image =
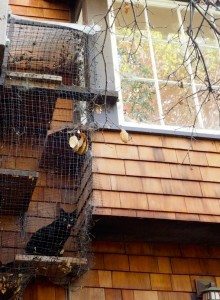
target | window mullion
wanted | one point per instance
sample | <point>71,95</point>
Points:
<point>153,61</point>
<point>215,37</point>
<point>189,68</point>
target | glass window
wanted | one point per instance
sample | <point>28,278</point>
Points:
<point>140,104</point>
<point>166,43</point>
<point>163,77</point>
<point>178,105</point>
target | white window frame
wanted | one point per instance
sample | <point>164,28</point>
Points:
<point>3,28</point>
<point>3,21</point>
<point>143,127</point>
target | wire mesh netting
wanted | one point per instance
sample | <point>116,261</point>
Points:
<point>45,166</point>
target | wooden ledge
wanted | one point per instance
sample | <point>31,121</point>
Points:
<point>31,175</point>
<point>54,91</point>
<point>34,76</point>
<point>33,80</point>
<point>69,261</point>
<point>50,266</point>
<point>17,187</point>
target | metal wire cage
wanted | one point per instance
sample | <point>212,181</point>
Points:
<point>45,99</point>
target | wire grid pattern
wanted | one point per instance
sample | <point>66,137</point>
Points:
<point>44,100</point>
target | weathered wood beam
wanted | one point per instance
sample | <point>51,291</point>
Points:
<point>19,173</point>
<point>33,80</point>
<point>35,76</point>
<point>51,259</point>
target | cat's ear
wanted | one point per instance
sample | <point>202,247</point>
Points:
<point>62,212</point>
<point>74,213</point>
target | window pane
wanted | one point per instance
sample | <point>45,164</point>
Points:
<point>134,57</point>
<point>164,21</point>
<point>210,108</point>
<point>209,60</point>
<point>178,105</point>
<point>128,16</point>
<point>169,61</point>
<point>166,43</point>
<point>200,28</point>
<point>140,103</point>
<point>132,42</point>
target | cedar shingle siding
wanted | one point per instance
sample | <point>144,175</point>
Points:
<point>156,176</point>
<point>41,9</point>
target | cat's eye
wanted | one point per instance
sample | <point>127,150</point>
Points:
<point>64,219</point>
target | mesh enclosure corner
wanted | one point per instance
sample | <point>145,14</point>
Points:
<point>45,181</point>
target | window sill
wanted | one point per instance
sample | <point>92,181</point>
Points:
<point>112,119</point>
<point>172,130</point>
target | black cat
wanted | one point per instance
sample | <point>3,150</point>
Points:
<point>49,240</point>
